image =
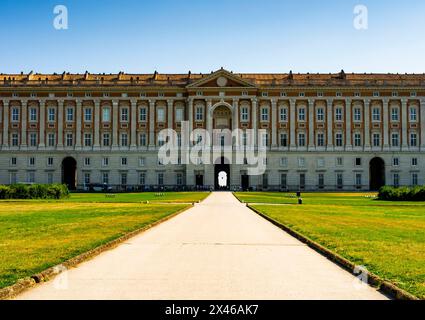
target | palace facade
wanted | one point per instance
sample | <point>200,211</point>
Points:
<point>323,131</point>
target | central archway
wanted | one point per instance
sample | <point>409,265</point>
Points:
<point>221,169</point>
<point>376,173</point>
<point>69,172</point>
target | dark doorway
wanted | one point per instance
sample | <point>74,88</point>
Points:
<point>199,180</point>
<point>221,169</point>
<point>376,173</point>
<point>69,172</point>
<point>245,182</point>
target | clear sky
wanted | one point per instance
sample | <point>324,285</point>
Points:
<point>171,36</point>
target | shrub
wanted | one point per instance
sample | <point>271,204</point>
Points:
<point>35,191</point>
<point>402,194</point>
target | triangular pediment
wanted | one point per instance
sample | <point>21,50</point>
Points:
<point>221,79</point>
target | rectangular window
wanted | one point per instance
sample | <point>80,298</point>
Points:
<point>51,115</point>
<point>358,180</point>
<point>320,113</point>
<point>179,115</point>
<point>395,140</point>
<point>69,140</point>
<point>124,139</point>
<point>87,161</point>
<point>284,162</point>
<point>376,139</point>
<point>357,115</point>
<point>33,139</point>
<point>15,115</point>
<point>15,139</point>
<point>123,161</point>
<point>283,114</point>
<point>87,115</point>
<point>86,178</point>
<point>51,139</point>
<point>31,161</point>
<point>142,115</point>
<point>265,114</point>
<point>106,114</point>
<point>320,140</point>
<point>105,162</point>
<point>160,179</point>
<point>302,181</point>
<point>49,161</point>
<point>142,179</point>
<point>358,161</point>
<point>301,140</point>
<point>413,140</point>
<point>33,114</point>
<point>142,139</point>
<point>414,162</point>
<point>69,114</point>
<point>338,114</point>
<point>321,180</point>
<point>105,178</point>
<point>320,162</point>
<point>283,181</point>
<point>244,114</point>
<point>339,181</point>
<point>160,115</point>
<point>106,139</point>
<point>301,162</point>
<point>283,140</point>
<point>413,115</point>
<point>396,180</point>
<point>179,179</point>
<point>301,114</point>
<point>394,114</point>
<point>357,140</point>
<point>339,161</point>
<point>396,162</point>
<point>338,139</point>
<point>124,115</point>
<point>87,139</point>
<point>31,177</point>
<point>49,177</point>
<point>13,161</point>
<point>142,162</point>
<point>199,115</point>
<point>414,179</point>
<point>123,179</point>
<point>265,139</point>
<point>376,114</point>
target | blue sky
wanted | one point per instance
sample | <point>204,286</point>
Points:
<point>203,35</point>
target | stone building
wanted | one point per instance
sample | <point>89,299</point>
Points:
<point>323,131</point>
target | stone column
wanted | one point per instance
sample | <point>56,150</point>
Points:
<point>292,114</point>
<point>311,125</point>
<point>209,118</point>
<point>190,117</point>
<point>115,119</point>
<point>366,124</point>
<point>42,125</point>
<point>170,105</point>
<point>235,122</point>
<point>60,124</point>
<point>5,123</point>
<point>78,123</point>
<point>133,124</point>
<point>348,144</point>
<point>385,105</point>
<point>24,115</point>
<point>274,123</point>
<point>96,144</point>
<point>404,143</point>
<point>151,123</point>
<point>422,108</point>
<point>329,123</point>
<point>254,102</point>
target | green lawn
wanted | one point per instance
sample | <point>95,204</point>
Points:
<point>35,235</point>
<point>386,237</point>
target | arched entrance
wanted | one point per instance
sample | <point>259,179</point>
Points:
<point>376,173</point>
<point>69,172</point>
<point>222,174</point>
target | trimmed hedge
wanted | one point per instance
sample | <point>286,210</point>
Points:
<point>34,191</point>
<point>402,193</point>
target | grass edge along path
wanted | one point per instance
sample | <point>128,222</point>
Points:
<point>26,283</point>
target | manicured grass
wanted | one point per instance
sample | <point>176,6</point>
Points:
<point>35,235</point>
<point>152,197</point>
<point>386,237</point>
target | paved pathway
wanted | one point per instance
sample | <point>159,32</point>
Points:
<point>217,250</point>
